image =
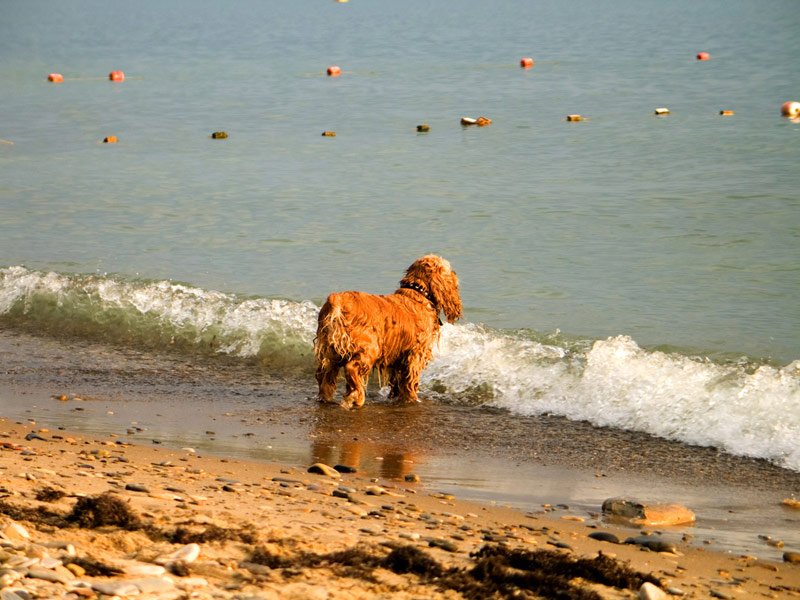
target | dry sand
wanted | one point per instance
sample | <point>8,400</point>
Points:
<point>177,525</point>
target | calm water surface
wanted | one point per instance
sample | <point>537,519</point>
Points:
<point>679,231</point>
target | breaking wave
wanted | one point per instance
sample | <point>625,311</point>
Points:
<point>743,407</point>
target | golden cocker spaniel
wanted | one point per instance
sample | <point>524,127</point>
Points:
<point>358,331</point>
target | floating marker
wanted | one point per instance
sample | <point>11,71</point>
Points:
<point>334,71</point>
<point>112,139</point>
<point>423,128</point>
<point>790,109</point>
<point>662,111</point>
<point>328,134</point>
<point>703,56</point>
<point>219,135</point>
<point>55,78</point>
<point>526,63</point>
<point>480,121</point>
<point>116,76</point>
<point>574,118</point>
<point>726,113</point>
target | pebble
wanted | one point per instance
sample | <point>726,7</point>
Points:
<point>135,487</point>
<point>648,591</point>
<point>791,557</point>
<point>652,542</point>
<point>16,532</point>
<point>720,595</point>
<point>116,588</point>
<point>323,469</point>
<point>144,570</point>
<point>188,553</point>
<point>604,536</point>
<point>344,469</point>
<point>444,545</point>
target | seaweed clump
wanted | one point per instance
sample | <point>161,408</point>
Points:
<point>107,509</point>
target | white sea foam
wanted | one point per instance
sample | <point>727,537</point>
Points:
<point>743,408</point>
<point>748,411</point>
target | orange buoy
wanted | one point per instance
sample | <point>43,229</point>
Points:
<point>423,128</point>
<point>328,134</point>
<point>790,109</point>
<point>483,122</point>
<point>703,56</point>
<point>55,77</point>
<point>726,113</point>
<point>116,76</point>
<point>112,139</point>
<point>661,111</point>
<point>574,118</point>
<point>526,63</point>
<point>334,71</point>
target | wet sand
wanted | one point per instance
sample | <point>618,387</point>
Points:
<point>226,408</point>
<point>86,516</point>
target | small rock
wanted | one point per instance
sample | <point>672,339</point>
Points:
<point>673,591</point>
<point>188,553</point>
<point>648,591</point>
<point>652,542</point>
<point>16,532</point>
<point>323,469</point>
<point>47,575</point>
<point>604,536</point>
<point>116,588</point>
<point>791,557</point>
<point>135,487</point>
<point>720,595</point>
<point>153,585</point>
<point>345,469</point>
<point>412,478</point>
<point>143,570</point>
<point>641,513</point>
<point>444,545</point>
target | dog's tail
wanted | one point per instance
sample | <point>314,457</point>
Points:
<point>333,340</point>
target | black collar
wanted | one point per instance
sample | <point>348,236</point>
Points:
<point>418,288</point>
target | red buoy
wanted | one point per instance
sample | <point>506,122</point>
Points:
<point>790,109</point>
<point>55,77</point>
<point>334,71</point>
<point>116,76</point>
<point>526,63</point>
<point>703,56</point>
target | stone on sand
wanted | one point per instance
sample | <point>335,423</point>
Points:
<point>648,513</point>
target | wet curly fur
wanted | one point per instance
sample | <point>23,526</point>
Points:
<point>393,333</point>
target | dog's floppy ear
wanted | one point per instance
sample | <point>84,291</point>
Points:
<point>441,283</point>
<point>444,288</point>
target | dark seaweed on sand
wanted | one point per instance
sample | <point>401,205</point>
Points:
<point>212,533</point>
<point>49,494</point>
<point>103,510</point>
<point>499,572</point>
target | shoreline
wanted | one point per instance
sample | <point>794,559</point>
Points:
<point>242,411</point>
<point>292,516</point>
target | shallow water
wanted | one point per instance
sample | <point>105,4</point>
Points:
<point>225,408</point>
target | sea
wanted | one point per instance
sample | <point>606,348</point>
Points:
<point>629,274</point>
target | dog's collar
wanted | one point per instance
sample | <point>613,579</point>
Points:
<point>419,289</point>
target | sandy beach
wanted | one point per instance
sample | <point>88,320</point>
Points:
<point>84,516</point>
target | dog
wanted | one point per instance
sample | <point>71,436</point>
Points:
<point>394,333</point>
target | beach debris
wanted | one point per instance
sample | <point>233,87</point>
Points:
<point>703,56</point>
<point>480,121</point>
<point>791,557</point>
<point>661,111</point>
<point>648,591</point>
<point>328,134</point>
<point>423,128</point>
<point>116,76</point>
<point>323,469</point>
<point>111,139</point>
<point>55,78</point>
<point>645,513</point>
<point>334,71</point>
<point>526,63</point>
<point>219,135</point>
<point>790,109</point>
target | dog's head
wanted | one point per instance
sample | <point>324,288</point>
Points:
<point>440,283</point>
